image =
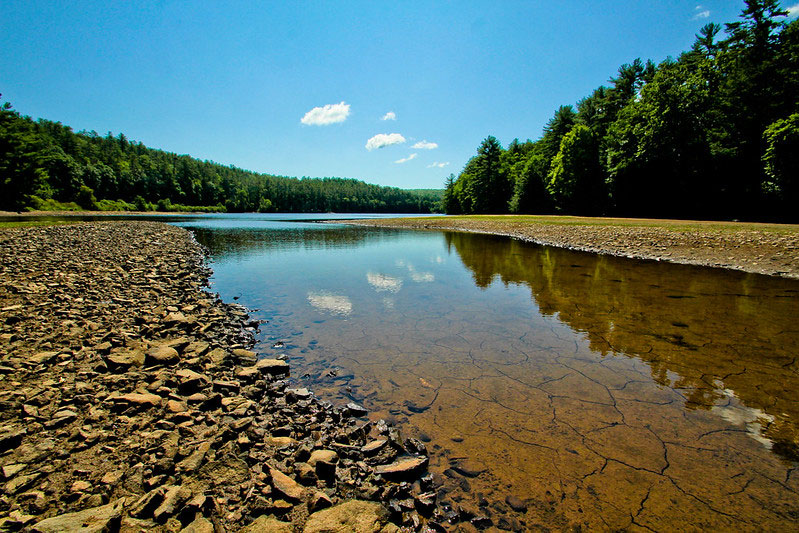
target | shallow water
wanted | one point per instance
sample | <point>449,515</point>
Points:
<point>608,393</point>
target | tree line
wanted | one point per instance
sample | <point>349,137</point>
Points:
<point>711,134</point>
<point>45,165</point>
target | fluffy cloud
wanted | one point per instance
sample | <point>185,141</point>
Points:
<point>384,139</point>
<point>329,114</point>
<point>793,11</point>
<point>701,12</point>
<point>436,164</point>
<point>389,116</point>
<point>424,145</point>
<point>405,159</point>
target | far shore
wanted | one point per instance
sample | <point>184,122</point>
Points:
<point>760,248</point>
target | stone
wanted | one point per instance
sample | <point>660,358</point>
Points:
<point>144,506</point>
<point>199,525</point>
<point>226,385</point>
<point>94,520</point>
<point>42,358</point>
<point>248,374</point>
<point>137,399</point>
<point>403,467</point>
<point>301,393</point>
<point>194,461</point>
<point>162,355</point>
<point>13,469</point>
<point>374,446</point>
<point>111,477</point>
<point>10,437</point>
<point>467,469</point>
<point>356,410</point>
<point>318,501</point>
<point>175,318</point>
<point>305,473</point>
<point>264,524</point>
<point>285,485</point>
<point>174,406</point>
<point>245,356</point>
<point>174,497</point>
<point>125,358</point>
<point>217,356</point>
<point>279,442</point>
<point>80,486</point>
<point>516,503</point>
<point>326,456</point>
<point>21,483</point>
<point>273,367</point>
<point>356,516</point>
<point>190,381</point>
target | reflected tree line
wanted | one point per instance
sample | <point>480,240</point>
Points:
<point>699,330</point>
<point>240,241</point>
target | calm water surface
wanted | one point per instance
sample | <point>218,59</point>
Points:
<point>609,393</point>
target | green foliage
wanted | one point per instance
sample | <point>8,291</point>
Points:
<point>49,161</point>
<point>682,139</point>
<point>575,180</point>
<point>781,161</point>
<point>85,198</point>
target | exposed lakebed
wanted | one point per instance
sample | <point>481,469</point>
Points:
<point>557,387</point>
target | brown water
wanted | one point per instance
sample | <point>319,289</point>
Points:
<point>606,393</point>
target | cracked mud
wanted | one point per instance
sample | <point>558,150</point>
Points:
<point>558,388</point>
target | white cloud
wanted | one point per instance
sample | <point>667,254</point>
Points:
<point>793,11</point>
<point>436,164</point>
<point>424,145</point>
<point>332,303</point>
<point>389,116</point>
<point>384,139</point>
<point>701,12</point>
<point>383,283</point>
<point>406,159</point>
<point>329,114</point>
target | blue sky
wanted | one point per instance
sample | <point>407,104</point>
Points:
<point>238,82</point>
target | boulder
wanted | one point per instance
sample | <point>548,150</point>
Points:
<point>273,367</point>
<point>97,519</point>
<point>354,516</point>
<point>263,524</point>
<point>403,467</point>
<point>162,355</point>
<point>285,485</point>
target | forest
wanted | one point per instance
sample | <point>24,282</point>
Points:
<point>713,134</point>
<point>44,165</point>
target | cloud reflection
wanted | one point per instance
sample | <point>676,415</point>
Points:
<point>332,303</point>
<point>383,283</point>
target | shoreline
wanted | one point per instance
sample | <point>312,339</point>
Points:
<point>130,400</point>
<point>768,249</point>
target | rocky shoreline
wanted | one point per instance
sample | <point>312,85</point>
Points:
<point>768,249</point>
<point>130,401</point>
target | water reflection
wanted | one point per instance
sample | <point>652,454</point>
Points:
<point>605,393</point>
<point>721,338</point>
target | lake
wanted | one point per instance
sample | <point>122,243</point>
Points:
<point>593,391</point>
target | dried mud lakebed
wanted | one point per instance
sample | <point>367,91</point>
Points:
<point>129,400</point>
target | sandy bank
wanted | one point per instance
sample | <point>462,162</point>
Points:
<point>770,249</point>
